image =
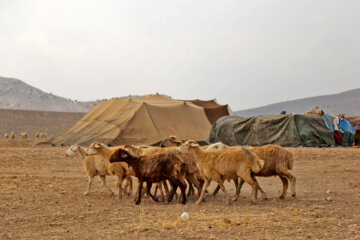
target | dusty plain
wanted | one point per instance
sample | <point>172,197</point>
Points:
<point>41,197</point>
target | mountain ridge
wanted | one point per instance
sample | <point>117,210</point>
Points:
<point>17,94</point>
<point>343,102</point>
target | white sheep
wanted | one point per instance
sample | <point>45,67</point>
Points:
<point>220,165</point>
<point>95,166</point>
<point>121,170</point>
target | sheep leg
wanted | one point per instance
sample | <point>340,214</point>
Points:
<point>263,194</point>
<point>206,184</point>
<point>182,185</point>
<point>161,191</point>
<point>236,181</point>
<point>139,190</point>
<point>238,189</point>
<point>104,183</point>
<point>119,183</point>
<point>254,185</point>
<point>191,190</point>
<point>172,192</point>
<point>216,190</point>
<point>148,188</point>
<point>128,186</point>
<point>292,178</point>
<point>285,183</point>
<point>156,188</point>
<point>221,184</point>
<point>90,180</point>
<point>167,189</point>
<point>193,179</point>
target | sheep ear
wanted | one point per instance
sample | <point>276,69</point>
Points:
<point>131,150</point>
<point>97,146</point>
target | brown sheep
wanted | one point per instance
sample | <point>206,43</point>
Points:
<point>6,135</point>
<point>37,135</point>
<point>121,170</point>
<point>277,162</point>
<point>154,168</point>
<point>220,165</point>
<point>24,135</point>
<point>192,173</point>
<point>12,135</point>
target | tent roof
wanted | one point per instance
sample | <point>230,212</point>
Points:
<point>290,130</point>
<point>144,120</point>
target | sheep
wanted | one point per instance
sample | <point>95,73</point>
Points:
<point>277,162</point>
<point>170,142</point>
<point>12,135</point>
<point>43,135</point>
<point>155,167</point>
<point>121,170</point>
<point>221,146</point>
<point>94,166</point>
<point>6,136</point>
<point>173,142</point>
<point>192,173</point>
<point>37,135</point>
<point>220,165</point>
<point>23,135</point>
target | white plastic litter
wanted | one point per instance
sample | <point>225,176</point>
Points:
<point>185,216</point>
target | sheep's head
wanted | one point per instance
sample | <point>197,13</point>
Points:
<point>216,146</point>
<point>170,142</point>
<point>188,146</point>
<point>72,150</point>
<point>257,164</point>
<point>94,148</point>
<point>122,155</point>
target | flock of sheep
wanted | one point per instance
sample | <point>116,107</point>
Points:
<point>24,135</point>
<point>185,165</point>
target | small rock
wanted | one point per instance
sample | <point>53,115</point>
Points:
<point>13,177</point>
<point>329,199</point>
<point>328,191</point>
<point>63,192</point>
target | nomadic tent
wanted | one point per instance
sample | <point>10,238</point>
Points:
<point>146,120</point>
<point>213,110</point>
<point>291,130</point>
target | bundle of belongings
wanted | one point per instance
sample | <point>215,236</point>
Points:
<point>343,130</point>
<point>355,121</point>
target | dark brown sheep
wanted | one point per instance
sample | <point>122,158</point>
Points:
<point>152,168</point>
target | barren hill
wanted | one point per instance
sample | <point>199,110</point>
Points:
<point>16,94</point>
<point>345,102</point>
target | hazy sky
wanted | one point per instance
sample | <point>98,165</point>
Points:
<point>244,53</point>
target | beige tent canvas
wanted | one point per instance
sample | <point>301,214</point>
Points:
<point>146,120</point>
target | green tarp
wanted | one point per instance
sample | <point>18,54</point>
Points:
<point>292,130</point>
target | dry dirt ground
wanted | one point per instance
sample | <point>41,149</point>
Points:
<point>41,197</point>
